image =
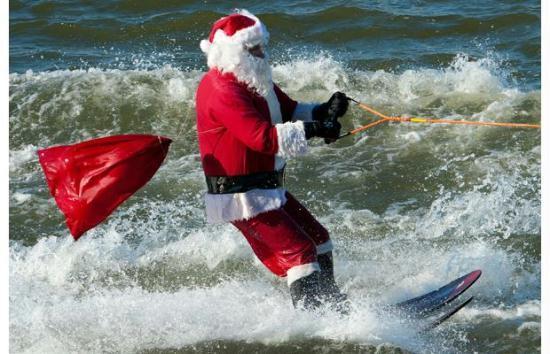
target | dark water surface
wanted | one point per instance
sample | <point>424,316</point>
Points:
<point>409,207</point>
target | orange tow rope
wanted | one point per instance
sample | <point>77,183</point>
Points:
<point>385,118</point>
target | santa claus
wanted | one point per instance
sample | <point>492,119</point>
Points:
<point>247,126</point>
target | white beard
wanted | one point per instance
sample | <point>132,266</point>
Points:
<point>253,71</point>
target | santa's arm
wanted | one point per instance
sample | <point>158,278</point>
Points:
<point>237,113</point>
<point>292,110</point>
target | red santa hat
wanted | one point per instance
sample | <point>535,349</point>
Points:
<point>239,28</point>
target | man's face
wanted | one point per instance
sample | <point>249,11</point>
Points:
<point>256,51</point>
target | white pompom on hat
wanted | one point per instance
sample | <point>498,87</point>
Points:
<point>239,28</point>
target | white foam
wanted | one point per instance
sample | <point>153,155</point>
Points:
<point>529,327</point>
<point>62,298</point>
<point>527,310</point>
<point>19,158</point>
<point>133,320</point>
<point>21,198</point>
<point>465,82</point>
<point>318,77</point>
<point>94,101</point>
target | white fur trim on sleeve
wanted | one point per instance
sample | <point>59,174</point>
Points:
<point>291,138</point>
<point>303,112</point>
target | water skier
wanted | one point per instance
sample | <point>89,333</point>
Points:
<point>247,126</point>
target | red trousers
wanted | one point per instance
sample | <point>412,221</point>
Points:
<point>287,240</point>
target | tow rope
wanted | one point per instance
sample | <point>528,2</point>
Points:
<point>385,118</point>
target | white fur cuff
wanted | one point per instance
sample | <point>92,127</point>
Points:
<point>300,271</point>
<point>303,112</point>
<point>291,138</point>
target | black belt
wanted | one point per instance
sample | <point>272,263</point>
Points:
<point>241,184</point>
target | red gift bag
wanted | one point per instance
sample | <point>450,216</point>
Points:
<point>90,179</point>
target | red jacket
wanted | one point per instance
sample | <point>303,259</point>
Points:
<point>240,133</point>
<point>236,133</point>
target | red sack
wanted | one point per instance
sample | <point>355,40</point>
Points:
<point>90,179</point>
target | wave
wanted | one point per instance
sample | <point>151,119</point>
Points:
<point>329,25</point>
<point>413,208</point>
<point>96,100</point>
<point>180,287</point>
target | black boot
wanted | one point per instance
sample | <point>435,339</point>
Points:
<point>328,289</point>
<point>304,292</point>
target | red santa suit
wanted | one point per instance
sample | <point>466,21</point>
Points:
<point>247,128</point>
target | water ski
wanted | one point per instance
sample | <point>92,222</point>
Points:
<point>431,309</point>
<point>426,304</point>
<point>446,315</point>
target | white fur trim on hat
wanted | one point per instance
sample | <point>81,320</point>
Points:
<point>256,34</point>
<point>291,138</point>
<point>205,45</point>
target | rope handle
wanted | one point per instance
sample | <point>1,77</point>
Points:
<point>386,118</point>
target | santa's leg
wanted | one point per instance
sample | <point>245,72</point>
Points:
<point>286,250</point>
<point>320,236</point>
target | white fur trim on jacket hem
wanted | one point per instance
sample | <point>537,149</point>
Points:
<point>291,138</point>
<point>242,206</point>
<point>325,247</point>
<point>300,271</point>
<point>304,112</point>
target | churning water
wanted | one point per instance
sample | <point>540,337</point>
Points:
<point>409,207</point>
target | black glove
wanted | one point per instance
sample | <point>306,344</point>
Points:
<point>335,107</point>
<point>328,129</point>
